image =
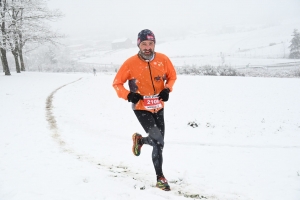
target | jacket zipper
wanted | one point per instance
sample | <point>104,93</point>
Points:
<point>151,77</point>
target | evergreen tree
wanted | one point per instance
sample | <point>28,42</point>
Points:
<point>295,45</point>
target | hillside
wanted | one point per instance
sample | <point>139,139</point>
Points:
<point>243,46</point>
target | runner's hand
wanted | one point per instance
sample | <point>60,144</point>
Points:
<point>164,94</point>
<point>134,97</point>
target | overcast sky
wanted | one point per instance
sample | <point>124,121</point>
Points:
<point>126,18</point>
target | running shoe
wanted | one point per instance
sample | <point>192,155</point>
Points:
<point>162,183</point>
<point>136,147</point>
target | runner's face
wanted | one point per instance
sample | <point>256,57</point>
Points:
<point>147,48</point>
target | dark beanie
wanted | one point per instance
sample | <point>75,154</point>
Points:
<point>145,34</point>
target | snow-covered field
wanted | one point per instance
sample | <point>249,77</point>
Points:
<point>257,47</point>
<point>68,136</point>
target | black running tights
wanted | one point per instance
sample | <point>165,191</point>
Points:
<point>154,125</point>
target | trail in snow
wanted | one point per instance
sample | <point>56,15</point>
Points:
<point>223,161</point>
<point>120,171</point>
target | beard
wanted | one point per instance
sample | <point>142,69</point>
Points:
<point>146,54</point>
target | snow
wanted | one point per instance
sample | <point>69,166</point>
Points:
<point>259,46</point>
<point>119,40</point>
<point>68,136</point>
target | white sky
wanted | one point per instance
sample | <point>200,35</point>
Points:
<point>119,18</point>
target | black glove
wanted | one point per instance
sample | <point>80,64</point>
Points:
<point>134,97</point>
<point>164,94</point>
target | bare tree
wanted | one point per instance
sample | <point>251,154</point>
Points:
<point>35,30</point>
<point>22,22</point>
<point>3,40</point>
<point>13,33</point>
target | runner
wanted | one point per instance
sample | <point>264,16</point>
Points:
<point>151,76</point>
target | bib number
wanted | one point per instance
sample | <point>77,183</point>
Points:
<point>152,102</point>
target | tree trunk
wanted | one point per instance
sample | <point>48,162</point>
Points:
<point>16,57</point>
<point>15,53</point>
<point>3,51</point>
<point>21,60</point>
<point>4,62</point>
<point>21,43</point>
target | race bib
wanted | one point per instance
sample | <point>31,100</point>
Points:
<point>152,102</point>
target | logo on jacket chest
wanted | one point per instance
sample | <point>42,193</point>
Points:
<point>160,78</point>
<point>157,78</point>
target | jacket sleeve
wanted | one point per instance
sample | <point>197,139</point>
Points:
<point>171,75</point>
<point>120,78</point>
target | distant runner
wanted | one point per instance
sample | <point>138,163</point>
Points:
<point>151,76</point>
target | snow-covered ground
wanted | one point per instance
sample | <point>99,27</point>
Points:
<point>68,136</point>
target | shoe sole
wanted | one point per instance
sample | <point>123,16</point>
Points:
<point>133,146</point>
<point>165,189</point>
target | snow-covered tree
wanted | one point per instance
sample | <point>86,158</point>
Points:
<point>32,28</point>
<point>4,19</point>
<point>23,22</point>
<point>35,29</point>
<point>295,45</point>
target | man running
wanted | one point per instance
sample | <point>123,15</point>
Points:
<point>151,76</point>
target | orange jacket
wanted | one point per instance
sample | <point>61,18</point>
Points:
<point>146,78</point>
